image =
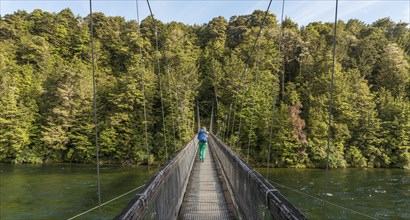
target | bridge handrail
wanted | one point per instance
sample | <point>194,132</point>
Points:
<point>252,194</point>
<point>163,194</point>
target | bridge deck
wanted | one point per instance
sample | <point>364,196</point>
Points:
<point>205,195</point>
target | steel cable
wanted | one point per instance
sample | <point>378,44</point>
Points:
<point>314,197</point>
<point>143,86</point>
<point>247,66</point>
<point>95,105</point>
<point>280,50</point>
<point>172,111</point>
<point>160,80</point>
<point>109,201</point>
<point>255,85</point>
<point>274,98</point>
<point>330,107</point>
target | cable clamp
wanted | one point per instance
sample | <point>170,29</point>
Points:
<point>251,171</point>
<point>267,193</point>
<point>143,199</point>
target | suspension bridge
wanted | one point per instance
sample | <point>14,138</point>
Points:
<point>223,186</point>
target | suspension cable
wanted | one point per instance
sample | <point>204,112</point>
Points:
<point>178,102</point>
<point>244,75</point>
<point>194,120</point>
<point>255,85</point>
<point>212,117</point>
<point>271,133</point>
<point>95,105</point>
<point>168,75</point>
<point>143,85</point>
<point>240,123</point>
<point>176,95</point>
<point>198,115</point>
<point>109,201</point>
<point>280,50</point>
<point>330,107</point>
<point>259,33</point>
<point>159,79</point>
<point>234,115</point>
<point>274,98</point>
<point>229,120</point>
<point>249,134</point>
<point>172,111</point>
<point>225,117</point>
<point>247,66</point>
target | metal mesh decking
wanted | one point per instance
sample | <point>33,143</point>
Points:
<point>205,195</point>
<point>223,187</point>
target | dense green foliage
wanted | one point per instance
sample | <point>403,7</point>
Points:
<point>46,89</point>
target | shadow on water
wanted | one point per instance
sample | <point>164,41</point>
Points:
<point>352,193</point>
<point>61,191</point>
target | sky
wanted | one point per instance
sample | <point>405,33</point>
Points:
<point>202,11</point>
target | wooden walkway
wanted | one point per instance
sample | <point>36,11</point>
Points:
<point>205,196</point>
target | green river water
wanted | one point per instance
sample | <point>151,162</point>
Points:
<point>62,191</point>
<point>351,193</point>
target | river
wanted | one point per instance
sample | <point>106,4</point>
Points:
<point>351,193</point>
<point>62,191</point>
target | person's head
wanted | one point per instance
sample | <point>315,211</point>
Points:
<point>204,127</point>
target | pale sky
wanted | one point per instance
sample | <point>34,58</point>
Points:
<point>202,11</point>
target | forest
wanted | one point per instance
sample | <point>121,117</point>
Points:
<point>270,96</point>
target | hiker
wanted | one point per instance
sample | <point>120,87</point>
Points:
<point>203,141</point>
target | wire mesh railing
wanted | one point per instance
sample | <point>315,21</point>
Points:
<point>252,195</point>
<point>163,195</point>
